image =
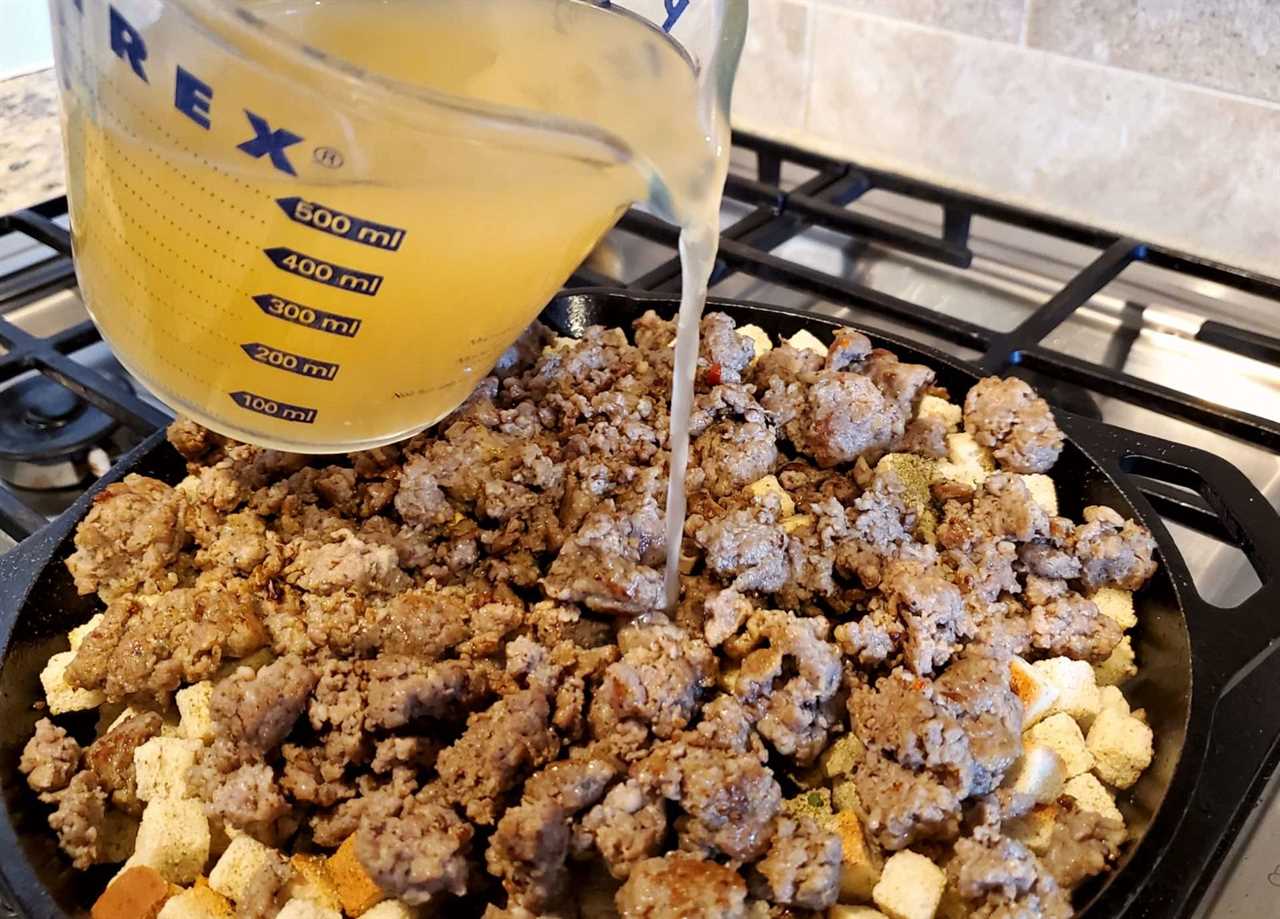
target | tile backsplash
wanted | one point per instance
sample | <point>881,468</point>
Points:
<point>1159,118</point>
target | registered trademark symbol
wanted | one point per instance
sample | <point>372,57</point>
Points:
<point>1274,877</point>
<point>328,157</point>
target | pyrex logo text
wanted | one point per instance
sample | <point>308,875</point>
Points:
<point>194,98</point>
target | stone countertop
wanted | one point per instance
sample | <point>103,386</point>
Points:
<point>31,168</point>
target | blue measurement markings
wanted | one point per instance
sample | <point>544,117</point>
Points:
<point>311,318</point>
<point>336,223</point>
<point>273,408</point>
<point>315,269</point>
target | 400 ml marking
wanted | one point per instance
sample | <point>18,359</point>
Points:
<point>311,318</point>
<point>336,223</point>
<point>287,360</point>
<point>314,269</point>
<point>273,408</point>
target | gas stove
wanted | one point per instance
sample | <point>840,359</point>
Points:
<point>1142,337</point>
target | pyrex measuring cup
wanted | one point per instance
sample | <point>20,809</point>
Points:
<point>317,225</point>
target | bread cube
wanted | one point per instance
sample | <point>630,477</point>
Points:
<point>798,522</point>
<point>311,881</point>
<point>967,462</point>
<point>843,911</point>
<point>910,887</point>
<point>241,864</point>
<point>117,837</point>
<point>1062,735</point>
<point>1035,691</point>
<point>842,756</point>
<point>137,893</point>
<point>1121,746</point>
<point>761,488</point>
<point>1075,683</point>
<point>61,696</point>
<point>844,797</point>
<point>1035,828</point>
<point>194,706</point>
<point>1039,774</point>
<point>1092,795</point>
<point>356,889</point>
<point>760,340</point>
<point>916,474</point>
<point>935,407</point>
<point>815,803</point>
<point>81,632</point>
<point>161,765</point>
<point>1043,492</point>
<point>804,340</point>
<point>1110,697</point>
<point>859,863</point>
<point>173,838</point>
<point>1116,604</point>
<point>307,909</point>
<point>1119,666</point>
<point>199,902</point>
<point>398,909</point>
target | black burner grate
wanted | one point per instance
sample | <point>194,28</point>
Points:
<point>747,247</point>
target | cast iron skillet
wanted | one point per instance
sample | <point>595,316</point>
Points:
<point>1202,669</point>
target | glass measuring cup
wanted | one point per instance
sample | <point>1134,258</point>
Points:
<point>319,230</point>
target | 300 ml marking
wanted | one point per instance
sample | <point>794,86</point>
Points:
<point>321,321</point>
<point>273,408</point>
<point>314,269</point>
<point>337,223</point>
<point>287,360</point>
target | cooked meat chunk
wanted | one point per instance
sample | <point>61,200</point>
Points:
<point>802,866</point>
<point>418,852</point>
<point>975,690</point>
<point>110,757</point>
<point>401,690</point>
<point>626,827</point>
<point>1113,552</point>
<point>682,886</point>
<point>1083,844</point>
<point>256,710</point>
<point>722,353</point>
<point>902,384</point>
<point>998,877</point>
<point>1008,417</point>
<point>904,806</point>
<point>843,416</point>
<point>1066,624</point>
<point>659,680</point>
<point>249,799</point>
<point>748,548</point>
<point>610,563</point>
<point>728,456</point>
<point>81,808</point>
<point>787,364</point>
<point>50,758</point>
<point>350,564</point>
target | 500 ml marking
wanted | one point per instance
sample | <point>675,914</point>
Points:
<point>321,321</point>
<point>287,360</point>
<point>348,226</point>
<point>314,269</point>
<point>272,408</point>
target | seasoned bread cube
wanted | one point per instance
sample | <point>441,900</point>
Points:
<point>81,632</point>
<point>356,889</point>
<point>842,756</point>
<point>804,340</point>
<point>136,893</point>
<point>1035,828</point>
<point>161,765</point>
<point>916,473</point>
<point>1039,773</point>
<point>1092,795</point>
<point>1033,689</point>
<point>173,838</point>
<point>1110,697</point>
<point>240,865</point>
<point>910,887</point>
<point>1121,746</point>
<point>760,340</point>
<point>935,407</point>
<point>761,488</point>
<point>311,881</point>
<point>859,863</point>
<point>1043,492</point>
<point>1062,735</point>
<point>1075,684</point>
<point>815,803</point>
<point>398,909</point>
<point>842,911</point>
<point>194,706</point>
<point>844,797</point>
<point>1116,604</point>
<point>798,522</point>
<point>307,909</point>
<point>199,902</point>
<point>61,696</point>
<point>1119,666</point>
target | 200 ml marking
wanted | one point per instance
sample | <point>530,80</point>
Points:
<point>273,408</point>
<point>314,269</point>
<point>287,360</point>
<point>337,223</point>
<point>320,320</point>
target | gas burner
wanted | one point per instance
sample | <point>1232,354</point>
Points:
<point>47,435</point>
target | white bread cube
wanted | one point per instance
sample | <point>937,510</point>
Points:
<point>1092,795</point>
<point>1075,683</point>
<point>81,632</point>
<point>910,887</point>
<point>1062,735</point>
<point>310,880</point>
<point>1112,698</point>
<point>859,863</point>
<point>1119,667</point>
<point>760,340</point>
<point>174,839</point>
<point>307,909</point>
<point>967,462</point>
<point>769,485</point>
<point>1039,773</point>
<point>398,909</point>
<point>842,756</point>
<point>61,696</point>
<point>194,707</point>
<point>1121,746</point>
<point>798,522</point>
<point>236,870</point>
<point>844,911</point>
<point>1035,828</point>
<point>1034,690</point>
<point>199,902</point>
<point>1116,604</point>
<point>1043,492</point>
<point>935,407</point>
<point>161,765</point>
<point>804,340</point>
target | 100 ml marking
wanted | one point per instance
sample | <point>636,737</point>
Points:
<point>314,269</point>
<point>298,314</point>
<point>337,223</point>
<point>273,408</point>
<point>287,360</point>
